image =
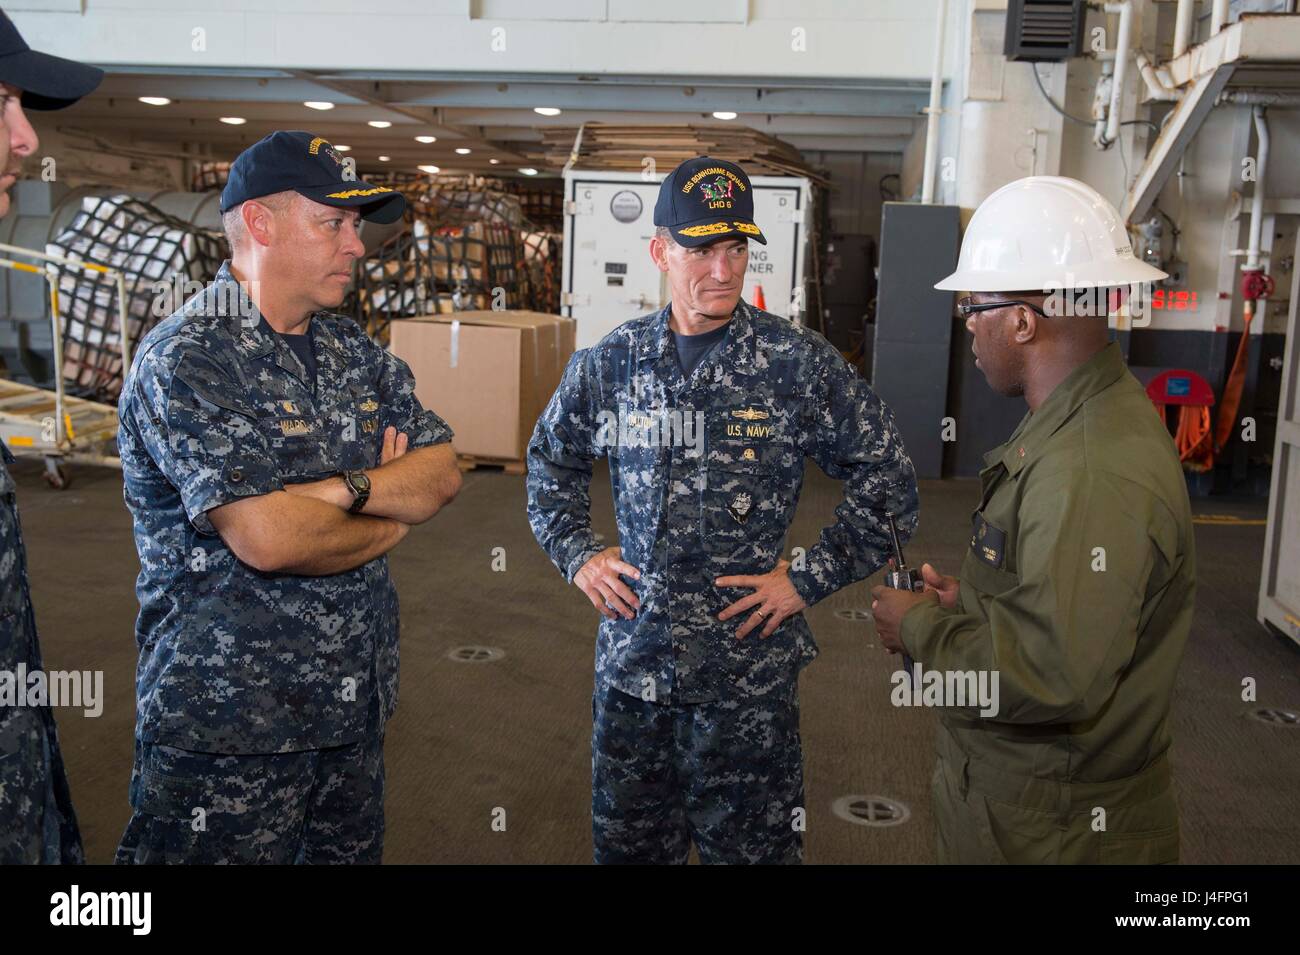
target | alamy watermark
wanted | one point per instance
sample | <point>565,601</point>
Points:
<point>966,688</point>
<point>1070,301</point>
<point>71,688</point>
<point>659,428</point>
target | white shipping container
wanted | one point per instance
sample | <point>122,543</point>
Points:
<point>608,274</point>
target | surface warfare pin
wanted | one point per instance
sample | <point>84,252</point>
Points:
<point>740,506</point>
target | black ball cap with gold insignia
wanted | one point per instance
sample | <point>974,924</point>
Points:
<point>706,199</point>
<point>310,166</point>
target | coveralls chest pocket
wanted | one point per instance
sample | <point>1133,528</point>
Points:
<point>988,569</point>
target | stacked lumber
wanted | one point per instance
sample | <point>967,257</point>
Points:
<point>617,147</point>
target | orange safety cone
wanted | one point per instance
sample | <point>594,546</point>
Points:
<point>759,300</point>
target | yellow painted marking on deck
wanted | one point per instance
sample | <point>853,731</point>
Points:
<point>1229,520</point>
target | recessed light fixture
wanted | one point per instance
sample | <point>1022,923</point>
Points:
<point>426,139</point>
<point>429,169</point>
<point>155,100</point>
<point>494,161</point>
<point>234,120</point>
<point>380,123</point>
<point>384,158</point>
<point>342,149</point>
<point>528,171</point>
<point>318,104</point>
<point>462,150</point>
<point>724,114</point>
<point>546,110</point>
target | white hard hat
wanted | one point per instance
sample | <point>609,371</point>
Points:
<point>1046,232</point>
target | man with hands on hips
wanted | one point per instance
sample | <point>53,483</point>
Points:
<point>707,411</point>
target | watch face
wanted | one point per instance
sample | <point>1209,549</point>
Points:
<point>361,480</point>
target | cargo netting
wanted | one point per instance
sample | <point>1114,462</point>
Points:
<point>165,260</point>
<point>465,247</point>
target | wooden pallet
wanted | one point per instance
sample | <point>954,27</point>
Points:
<point>611,146</point>
<point>24,407</point>
<point>470,462</point>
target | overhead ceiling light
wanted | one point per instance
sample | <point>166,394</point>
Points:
<point>494,161</point>
<point>426,139</point>
<point>342,149</point>
<point>528,171</point>
<point>155,100</point>
<point>429,169</point>
<point>380,123</point>
<point>234,120</point>
<point>384,158</point>
<point>318,104</point>
<point>462,150</point>
<point>724,114</point>
<point>546,110</point>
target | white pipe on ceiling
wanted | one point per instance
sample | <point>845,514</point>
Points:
<point>1125,11</point>
<point>1183,26</point>
<point>1257,198</point>
<point>1219,17</point>
<point>932,113</point>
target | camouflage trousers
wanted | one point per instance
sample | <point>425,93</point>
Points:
<point>323,806</point>
<point>37,822</point>
<point>726,775</point>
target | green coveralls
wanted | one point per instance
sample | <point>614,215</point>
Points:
<point>1077,590</point>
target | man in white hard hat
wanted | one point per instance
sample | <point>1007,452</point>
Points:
<point>1078,585</point>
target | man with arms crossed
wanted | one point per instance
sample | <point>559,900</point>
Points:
<point>273,455</point>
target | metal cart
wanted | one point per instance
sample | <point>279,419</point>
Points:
<point>59,428</point>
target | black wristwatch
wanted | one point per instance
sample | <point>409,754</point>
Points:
<point>358,483</point>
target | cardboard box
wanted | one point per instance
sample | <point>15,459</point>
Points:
<point>488,374</point>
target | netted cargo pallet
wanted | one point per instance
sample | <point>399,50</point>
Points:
<point>209,175</point>
<point>452,205</point>
<point>480,256</point>
<point>541,271</point>
<point>404,278</point>
<point>164,259</point>
<point>468,246</point>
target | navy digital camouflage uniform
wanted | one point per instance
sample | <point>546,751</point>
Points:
<point>37,822</point>
<point>262,698</point>
<point>695,733</point>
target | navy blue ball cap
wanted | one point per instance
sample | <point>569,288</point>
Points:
<point>47,82</point>
<point>310,166</point>
<point>704,200</point>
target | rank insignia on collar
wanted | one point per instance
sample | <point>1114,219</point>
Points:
<point>740,507</point>
<point>370,404</point>
<point>751,414</point>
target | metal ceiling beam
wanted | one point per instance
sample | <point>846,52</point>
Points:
<point>686,98</point>
<point>854,83</point>
<point>1179,130</point>
<point>1238,53</point>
